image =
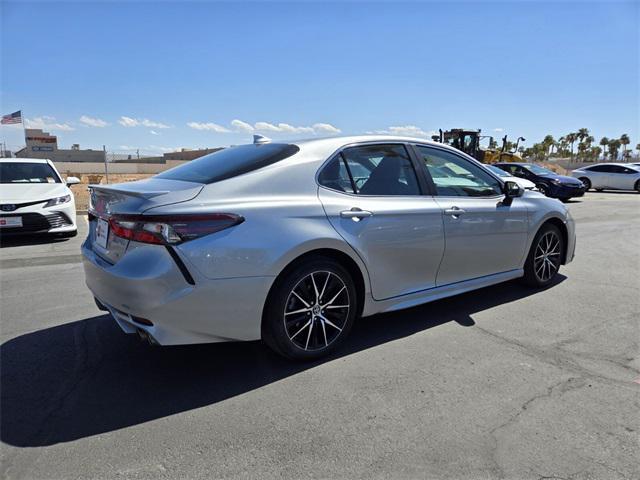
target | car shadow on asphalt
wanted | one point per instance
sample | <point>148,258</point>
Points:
<point>24,240</point>
<point>86,377</point>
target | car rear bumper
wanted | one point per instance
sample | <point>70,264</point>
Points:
<point>147,284</point>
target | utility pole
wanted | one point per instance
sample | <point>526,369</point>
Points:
<point>106,170</point>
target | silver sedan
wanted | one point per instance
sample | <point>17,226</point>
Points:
<point>291,242</point>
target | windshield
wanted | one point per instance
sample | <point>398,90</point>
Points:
<point>538,170</point>
<point>230,162</point>
<point>15,172</point>
<point>498,171</point>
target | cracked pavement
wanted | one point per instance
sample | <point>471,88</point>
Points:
<point>505,382</point>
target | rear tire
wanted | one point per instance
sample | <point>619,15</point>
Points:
<point>587,183</point>
<point>311,310</point>
<point>545,256</point>
<point>637,186</point>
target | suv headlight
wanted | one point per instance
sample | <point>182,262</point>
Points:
<point>58,201</point>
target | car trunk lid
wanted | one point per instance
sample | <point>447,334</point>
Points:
<point>130,198</point>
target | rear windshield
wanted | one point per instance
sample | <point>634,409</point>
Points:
<point>230,162</point>
<point>15,172</point>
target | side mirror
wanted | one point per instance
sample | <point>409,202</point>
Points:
<point>511,190</point>
<point>73,180</point>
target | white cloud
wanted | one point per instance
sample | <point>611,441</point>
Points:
<point>150,123</point>
<point>47,123</point>
<point>405,131</point>
<point>325,128</point>
<point>93,122</point>
<point>242,126</point>
<point>145,122</point>
<point>153,132</point>
<point>128,122</point>
<point>266,127</point>
<point>498,130</point>
<point>214,127</point>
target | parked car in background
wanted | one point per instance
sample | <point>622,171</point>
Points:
<point>614,176</point>
<point>290,242</point>
<point>523,182</point>
<point>549,183</point>
<point>35,199</point>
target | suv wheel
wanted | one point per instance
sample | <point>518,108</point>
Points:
<point>311,310</point>
<point>545,255</point>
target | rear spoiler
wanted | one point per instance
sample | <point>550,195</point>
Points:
<point>125,191</point>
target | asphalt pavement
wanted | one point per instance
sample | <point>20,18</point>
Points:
<point>505,382</point>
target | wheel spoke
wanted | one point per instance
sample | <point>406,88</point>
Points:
<point>331,324</point>
<point>301,299</point>
<point>303,327</point>
<point>302,310</point>
<point>324,332</point>
<point>306,345</point>
<point>315,288</point>
<point>335,296</point>
<point>337,306</point>
<point>324,287</point>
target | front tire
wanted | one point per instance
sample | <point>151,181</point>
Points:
<point>545,256</point>
<point>311,310</point>
<point>636,187</point>
<point>542,188</point>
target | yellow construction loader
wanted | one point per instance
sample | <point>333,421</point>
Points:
<point>468,141</point>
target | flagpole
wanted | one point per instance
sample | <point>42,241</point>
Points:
<point>24,130</point>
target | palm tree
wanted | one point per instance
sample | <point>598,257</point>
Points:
<point>595,152</point>
<point>549,142</point>
<point>624,140</point>
<point>604,142</point>
<point>614,146</point>
<point>571,139</point>
<point>582,134</point>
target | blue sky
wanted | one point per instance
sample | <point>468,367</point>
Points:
<point>162,75</point>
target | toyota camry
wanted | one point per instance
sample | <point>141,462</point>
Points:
<point>291,242</point>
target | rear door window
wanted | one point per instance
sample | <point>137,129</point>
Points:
<point>377,170</point>
<point>230,162</point>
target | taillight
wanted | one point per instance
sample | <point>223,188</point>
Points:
<point>170,229</point>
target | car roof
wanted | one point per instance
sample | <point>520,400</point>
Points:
<point>339,141</point>
<point>24,160</point>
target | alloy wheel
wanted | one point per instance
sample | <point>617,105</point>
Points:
<point>546,260</point>
<point>316,310</point>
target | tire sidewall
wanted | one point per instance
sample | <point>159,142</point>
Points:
<point>273,329</point>
<point>587,183</point>
<point>530,276</point>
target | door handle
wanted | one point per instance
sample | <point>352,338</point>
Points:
<point>454,211</point>
<point>355,214</point>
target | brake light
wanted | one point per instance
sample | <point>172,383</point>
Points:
<point>170,229</point>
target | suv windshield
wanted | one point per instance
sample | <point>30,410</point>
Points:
<point>15,172</point>
<point>538,170</point>
<point>230,162</point>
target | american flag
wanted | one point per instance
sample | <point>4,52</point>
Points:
<point>15,117</point>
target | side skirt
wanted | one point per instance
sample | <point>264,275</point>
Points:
<point>436,293</point>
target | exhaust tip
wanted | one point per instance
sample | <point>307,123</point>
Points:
<point>145,337</point>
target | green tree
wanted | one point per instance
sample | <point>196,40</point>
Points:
<point>571,139</point>
<point>624,140</point>
<point>595,153</point>
<point>614,147</point>
<point>549,143</point>
<point>604,143</point>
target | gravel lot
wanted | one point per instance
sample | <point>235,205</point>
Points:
<point>504,382</point>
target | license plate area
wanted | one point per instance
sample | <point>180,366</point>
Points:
<point>102,233</point>
<point>10,222</point>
